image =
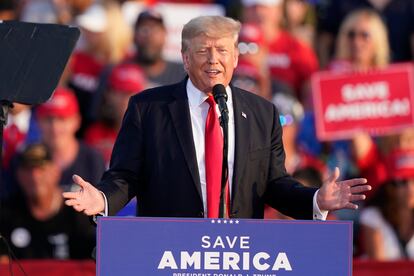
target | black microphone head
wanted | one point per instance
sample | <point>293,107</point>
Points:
<point>219,91</point>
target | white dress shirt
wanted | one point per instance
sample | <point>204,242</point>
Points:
<point>20,120</point>
<point>198,113</point>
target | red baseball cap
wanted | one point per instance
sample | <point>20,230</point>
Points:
<point>401,164</point>
<point>127,78</point>
<point>63,103</point>
<point>251,33</point>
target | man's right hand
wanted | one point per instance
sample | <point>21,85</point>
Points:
<point>88,199</point>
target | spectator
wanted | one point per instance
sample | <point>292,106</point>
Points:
<point>124,81</point>
<point>362,42</point>
<point>362,46</point>
<point>21,129</point>
<point>59,119</point>
<point>388,220</point>
<point>106,39</point>
<point>397,14</point>
<point>149,39</point>
<point>289,59</point>
<point>300,20</point>
<point>370,153</point>
<point>40,226</point>
<point>252,72</point>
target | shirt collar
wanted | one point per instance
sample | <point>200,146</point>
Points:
<point>196,97</point>
<point>21,120</point>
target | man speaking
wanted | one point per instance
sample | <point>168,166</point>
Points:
<point>169,150</point>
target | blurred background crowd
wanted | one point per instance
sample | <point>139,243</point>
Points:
<point>122,52</point>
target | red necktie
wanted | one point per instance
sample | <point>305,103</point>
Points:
<point>213,159</point>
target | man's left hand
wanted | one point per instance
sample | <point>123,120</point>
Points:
<point>334,195</point>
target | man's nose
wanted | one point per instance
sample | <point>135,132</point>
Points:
<point>212,57</point>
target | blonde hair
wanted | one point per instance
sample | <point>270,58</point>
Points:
<point>116,40</point>
<point>211,26</point>
<point>378,32</point>
<point>118,36</point>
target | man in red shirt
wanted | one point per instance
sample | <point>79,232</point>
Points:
<point>289,59</point>
<point>124,81</point>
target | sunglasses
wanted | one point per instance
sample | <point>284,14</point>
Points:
<point>352,34</point>
<point>248,48</point>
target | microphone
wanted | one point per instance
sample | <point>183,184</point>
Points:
<point>220,97</point>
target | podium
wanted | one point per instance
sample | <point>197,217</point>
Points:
<point>218,247</point>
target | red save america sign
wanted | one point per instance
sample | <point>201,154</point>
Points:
<point>379,102</point>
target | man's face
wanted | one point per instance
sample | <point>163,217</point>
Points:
<point>263,15</point>
<point>149,40</point>
<point>361,42</point>
<point>210,61</point>
<point>117,103</point>
<point>38,181</point>
<point>57,131</point>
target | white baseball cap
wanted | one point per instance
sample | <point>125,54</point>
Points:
<point>94,19</point>
<point>249,3</point>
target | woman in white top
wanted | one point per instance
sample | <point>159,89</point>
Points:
<point>388,222</point>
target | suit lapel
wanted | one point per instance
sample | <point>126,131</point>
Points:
<point>180,114</point>
<point>242,136</point>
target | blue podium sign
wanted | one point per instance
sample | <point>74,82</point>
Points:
<point>237,247</point>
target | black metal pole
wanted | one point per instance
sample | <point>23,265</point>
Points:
<point>4,112</point>
<point>224,172</point>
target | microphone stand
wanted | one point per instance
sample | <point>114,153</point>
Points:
<point>4,112</point>
<point>224,119</point>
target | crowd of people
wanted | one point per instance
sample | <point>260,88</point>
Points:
<point>281,44</point>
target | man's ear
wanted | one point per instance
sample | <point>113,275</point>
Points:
<point>236,56</point>
<point>186,60</point>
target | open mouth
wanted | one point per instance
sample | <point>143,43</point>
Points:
<point>213,72</point>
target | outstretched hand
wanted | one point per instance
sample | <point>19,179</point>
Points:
<point>335,195</point>
<point>88,199</point>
